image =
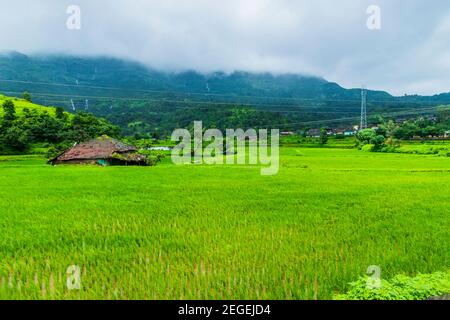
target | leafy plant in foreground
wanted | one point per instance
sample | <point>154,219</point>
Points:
<point>401,287</point>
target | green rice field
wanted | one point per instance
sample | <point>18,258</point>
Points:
<point>221,232</point>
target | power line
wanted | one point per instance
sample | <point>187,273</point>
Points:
<point>413,111</point>
<point>303,109</point>
<point>45,95</point>
<point>389,114</point>
<point>400,113</point>
<point>205,94</point>
<point>279,111</point>
<point>300,110</point>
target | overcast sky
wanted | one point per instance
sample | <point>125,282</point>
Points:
<point>328,38</point>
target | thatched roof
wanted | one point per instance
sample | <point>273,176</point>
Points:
<point>102,147</point>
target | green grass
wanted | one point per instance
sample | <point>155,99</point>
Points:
<point>333,142</point>
<point>21,104</point>
<point>222,232</point>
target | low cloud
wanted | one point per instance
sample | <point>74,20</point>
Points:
<point>410,54</point>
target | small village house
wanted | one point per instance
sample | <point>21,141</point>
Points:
<point>329,131</point>
<point>349,133</point>
<point>315,133</point>
<point>102,151</point>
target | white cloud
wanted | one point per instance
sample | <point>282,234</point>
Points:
<point>410,54</point>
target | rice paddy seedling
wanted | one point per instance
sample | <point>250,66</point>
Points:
<point>221,232</point>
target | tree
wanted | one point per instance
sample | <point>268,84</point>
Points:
<point>429,131</point>
<point>378,142</point>
<point>15,139</point>
<point>305,132</point>
<point>369,136</point>
<point>10,111</point>
<point>323,138</point>
<point>86,125</point>
<point>407,130</point>
<point>47,128</point>
<point>60,114</point>
<point>443,114</point>
<point>9,116</point>
<point>366,135</point>
<point>27,96</point>
<point>390,128</point>
<point>18,131</point>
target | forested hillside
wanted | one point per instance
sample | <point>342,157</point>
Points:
<point>24,125</point>
<point>142,100</point>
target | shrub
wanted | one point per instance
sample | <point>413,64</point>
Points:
<point>444,153</point>
<point>370,137</point>
<point>153,157</point>
<point>401,287</point>
<point>368,148</point>
<point>389,149</point>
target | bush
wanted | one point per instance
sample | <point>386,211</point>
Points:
<point>390,149</point>
<point>370,137</point>
<point>365,136</point>
<point>444,153</point>
<point>401,287</point>
<point>153,157</point>
<point>368,148</point>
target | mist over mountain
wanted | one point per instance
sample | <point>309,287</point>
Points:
<point>105,71</point>
<point>129,93</point>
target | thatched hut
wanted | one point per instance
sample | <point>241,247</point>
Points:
<point>102,151</point>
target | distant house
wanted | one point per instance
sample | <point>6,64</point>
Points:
<point>349,133</point>
<point>314,133</point>
<point>287,133</point>
<point>102,151</point>
<point>329,131</point>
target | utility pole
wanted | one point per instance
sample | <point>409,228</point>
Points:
<point>363,108</point>
<point>73,106</point>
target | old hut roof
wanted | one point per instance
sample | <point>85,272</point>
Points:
<point>102,147</point>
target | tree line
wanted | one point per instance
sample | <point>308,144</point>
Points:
<point>18,132</point>
<point>388,133</point>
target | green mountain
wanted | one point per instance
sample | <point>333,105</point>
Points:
<point>140,99</point>
<point>109,72</point>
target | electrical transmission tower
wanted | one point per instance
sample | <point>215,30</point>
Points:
<point>363,108</point>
